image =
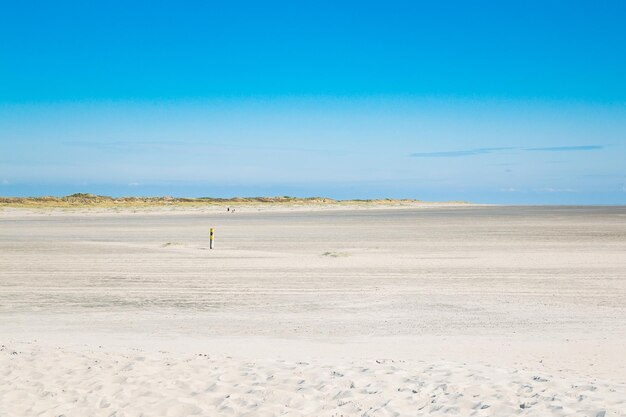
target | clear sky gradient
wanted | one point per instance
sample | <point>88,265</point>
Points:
<point>504,102</point>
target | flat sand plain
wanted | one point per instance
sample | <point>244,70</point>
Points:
<point>443,310</point>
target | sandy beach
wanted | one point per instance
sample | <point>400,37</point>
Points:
<point>394,311</point>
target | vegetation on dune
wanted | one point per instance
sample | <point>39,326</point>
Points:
<point>92,200</point>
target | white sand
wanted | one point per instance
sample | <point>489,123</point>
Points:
<point>479,310</point>
<point>100,383</point>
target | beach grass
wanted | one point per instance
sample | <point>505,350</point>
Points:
<point>85,200</point>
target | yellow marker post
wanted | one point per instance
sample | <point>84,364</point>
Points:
<point>211,239</point>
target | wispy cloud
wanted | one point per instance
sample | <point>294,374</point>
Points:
<point>121,145</point>
<point>466,152</point>
<point>567,148</point>
<point>188,145</point>
<point>483,151</point>
<point>556,190</point>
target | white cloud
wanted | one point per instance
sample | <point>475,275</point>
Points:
<point>556,190</point>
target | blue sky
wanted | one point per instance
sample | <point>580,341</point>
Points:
<point>485,101</point>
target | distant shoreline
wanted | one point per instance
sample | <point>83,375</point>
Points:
<point>83,200</point>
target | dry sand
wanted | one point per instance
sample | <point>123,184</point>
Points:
<point>411,311</point>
